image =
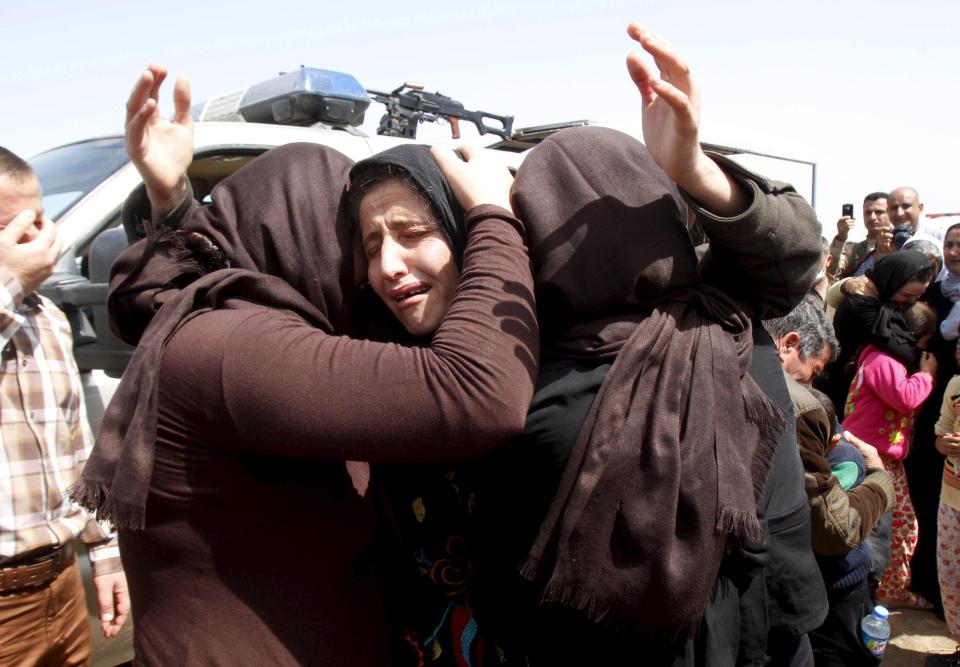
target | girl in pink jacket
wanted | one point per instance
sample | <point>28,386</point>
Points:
<point>883,398</point>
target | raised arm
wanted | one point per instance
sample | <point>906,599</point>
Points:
<point>671,126</point>
<point>161,149</point>
<point>283,387</point>
<point>889,380</point>
<point>764,238</point>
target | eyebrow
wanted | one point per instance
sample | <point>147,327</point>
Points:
<point>404,221</point>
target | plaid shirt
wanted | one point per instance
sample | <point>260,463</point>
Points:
<point>44,436</point>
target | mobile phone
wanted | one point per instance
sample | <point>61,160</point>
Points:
<point>847,210</point>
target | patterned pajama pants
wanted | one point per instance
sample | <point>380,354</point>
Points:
<point>948,565</point>
<point>895,583</point>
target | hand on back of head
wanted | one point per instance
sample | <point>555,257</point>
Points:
<point>477,179</point>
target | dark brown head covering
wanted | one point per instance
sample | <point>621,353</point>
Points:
<point>675,450</point>
<point>280,224</point>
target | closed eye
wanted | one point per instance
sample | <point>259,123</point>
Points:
<point>417,232</point>
<point>372,248</point>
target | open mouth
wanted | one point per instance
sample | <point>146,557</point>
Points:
<point>407,295</point>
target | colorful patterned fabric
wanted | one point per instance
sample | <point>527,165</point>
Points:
<point>882,401</point>
<point>44,437</point>
<point>895,582</point>
<point>431,506</point>
<point>948,565</point>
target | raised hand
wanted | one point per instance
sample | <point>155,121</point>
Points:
<point>671,125</point>
<point>884,242</point>
<point>928,363</point>
<point>844,225</point>
<point>160,149</point>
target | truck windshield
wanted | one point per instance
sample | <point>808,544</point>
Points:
<point>68,173</point>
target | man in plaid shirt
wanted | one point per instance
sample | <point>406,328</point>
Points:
<point>44,441</point>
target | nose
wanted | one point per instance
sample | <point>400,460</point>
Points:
<point>33,230</point>
<point>393,262</point>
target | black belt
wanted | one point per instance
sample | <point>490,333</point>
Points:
<point>37,572</point>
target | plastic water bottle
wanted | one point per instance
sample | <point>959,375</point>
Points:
<point>875,630</point>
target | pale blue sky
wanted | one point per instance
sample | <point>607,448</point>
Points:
<point>867,89</point>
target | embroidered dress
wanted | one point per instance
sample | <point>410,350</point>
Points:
<point>432,615</point>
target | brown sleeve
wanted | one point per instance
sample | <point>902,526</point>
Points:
<point>840,520</point>
<point>148,272</point>
<point>289,389</point>
<point>766,257</point>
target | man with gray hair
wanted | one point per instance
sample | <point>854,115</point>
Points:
<point>841,518</point>
<point>804,339</point>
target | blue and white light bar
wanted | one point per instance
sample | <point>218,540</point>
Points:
<point>306,96</point>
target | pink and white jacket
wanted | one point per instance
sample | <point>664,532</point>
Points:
<point>882,401</point>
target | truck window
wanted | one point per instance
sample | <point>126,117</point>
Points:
<point>68,173</point>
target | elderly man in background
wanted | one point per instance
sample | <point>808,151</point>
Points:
<point>805,340</point>
<point>842,518</point>
<point>905,209</point>
<point>44,440</point>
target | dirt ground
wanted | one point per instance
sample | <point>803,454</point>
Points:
<point>913,636</point>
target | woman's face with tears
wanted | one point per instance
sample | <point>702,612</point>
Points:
<point>409,263</point>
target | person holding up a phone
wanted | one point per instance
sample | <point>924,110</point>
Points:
<point>846,257</point>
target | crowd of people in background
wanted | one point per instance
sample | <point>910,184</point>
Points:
<point>874,348</point>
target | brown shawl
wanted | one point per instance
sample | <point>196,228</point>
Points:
<point>279,222</point>
<point>675,450</point>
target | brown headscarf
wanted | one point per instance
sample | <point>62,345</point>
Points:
<point>279,222</point>
<point>673,455</point>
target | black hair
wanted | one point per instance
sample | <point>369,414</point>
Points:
<point>827,406</point>
<point>921,319</point>
<point>14,166</point>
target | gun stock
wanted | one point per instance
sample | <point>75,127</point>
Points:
<point>408,106</point>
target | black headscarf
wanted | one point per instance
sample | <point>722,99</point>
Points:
<point>279,222</point>
<point>866,320</point>
<point>414,162</point>
<point>674,453</point>
<point>414,165</point>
